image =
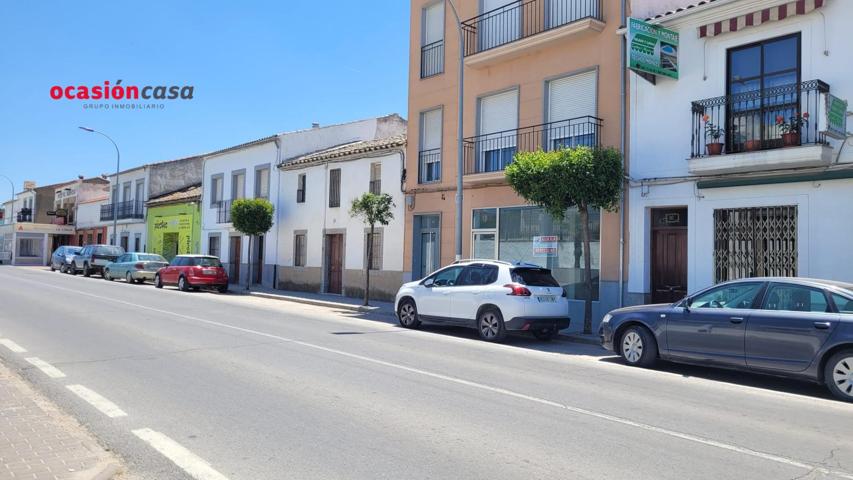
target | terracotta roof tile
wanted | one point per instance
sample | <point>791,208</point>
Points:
<point>186,194</point>
<point>347,149</point>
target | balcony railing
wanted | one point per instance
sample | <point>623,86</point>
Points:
<point>25,216</point>
<point>432,59</point>
<point>223,211</point>
<point>429,166</point>
<point>752,120</point>
<point>494,151</point>
<point>522,19</point>
<point>124,210</point>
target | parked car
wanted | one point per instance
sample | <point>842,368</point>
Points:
<point>93,259</point>
<point>62,257</point>
<point>494,297</point>
<point>135,267</point>
<point>792,327</point>
<point>193,272</point>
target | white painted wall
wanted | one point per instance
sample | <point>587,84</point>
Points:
<point>89,214</point>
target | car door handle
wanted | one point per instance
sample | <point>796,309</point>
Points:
<point>736,320</point>
<point>822,325</point>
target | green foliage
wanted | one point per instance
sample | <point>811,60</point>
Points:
<point>373,209</point>
<point>252,216</point>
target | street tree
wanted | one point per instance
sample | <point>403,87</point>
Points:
<point>372,209</point>
<point>252,217</point>
<point>581,177</point>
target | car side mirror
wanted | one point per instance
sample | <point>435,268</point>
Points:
<point>687,303</point>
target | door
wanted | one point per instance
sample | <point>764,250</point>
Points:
<point>669,255</point>
<point>170,245</point>
<point>427,234</point>
<point>711,327</point>
<point>790,328</point>
<point>467,295</point>
<point>235,257</point>
<point>124,242</point>
<point>170,274</point>
<point>334,263</point>
<point>258,267</point>
<point>436,300</point>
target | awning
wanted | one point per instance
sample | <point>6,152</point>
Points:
<point>766,15</point>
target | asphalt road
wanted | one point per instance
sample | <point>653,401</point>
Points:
<point>208,386</point>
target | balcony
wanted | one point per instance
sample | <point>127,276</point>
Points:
<point>751,130</point>
<point>124,210</point>
<point>223,211</point>
<point>486,156</point>
<point>514,28</point>
<point>432,59</point>
<point>429,166</point>
<point>25,215</point>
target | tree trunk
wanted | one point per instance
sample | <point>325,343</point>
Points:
<point>587,269</point>
<point>249,265</point>
<point>367,267</point>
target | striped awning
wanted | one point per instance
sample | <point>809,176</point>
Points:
<point>772,14</point>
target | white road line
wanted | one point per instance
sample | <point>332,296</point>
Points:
<point>106,407</point>
<point>510,393</point>
<point>12,346</point>
<point>191,463</point>
<point>45,367</point>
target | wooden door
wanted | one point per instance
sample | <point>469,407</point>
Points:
<point>334,263</point>
<point>669,264</point>
<point>235,251</point>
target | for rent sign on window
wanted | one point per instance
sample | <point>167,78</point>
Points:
<point>545,246</point>
<point>652,49</point>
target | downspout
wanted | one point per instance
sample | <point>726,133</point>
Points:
<point>277,210</point>
<point>623,77</point>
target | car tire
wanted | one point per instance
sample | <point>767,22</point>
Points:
<point>51,267</point>
<point>407,314</point>
<point>158,282</point>
<point>128,278</point>
<point>86,271</point>
<point>638,347</point>
<point>73,269</point>
<point>106,275</point>
<point>62,268</point>
<point>183,285</point>
<point>222,289</point>
<point>546,334</point>
<point>490,325</point>
<point>838,375</point>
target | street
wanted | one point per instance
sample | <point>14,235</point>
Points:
<point>207,386</point>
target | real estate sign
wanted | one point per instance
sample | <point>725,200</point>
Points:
<point>652,49</point>
<point>836,117</point>
<point>545,246</point>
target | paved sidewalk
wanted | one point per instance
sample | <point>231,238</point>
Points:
<point>38,442</point>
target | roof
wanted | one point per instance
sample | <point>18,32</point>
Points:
<point>680,9</point>
<point>347,149</point>
<point>186,194</point>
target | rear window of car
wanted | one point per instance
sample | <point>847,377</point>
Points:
<point>206,262</point>
<point>534,277</point>
<point>109,250</point>
<point>148,257</point>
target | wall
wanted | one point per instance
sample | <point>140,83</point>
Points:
<point>174,175</point>
<point>183,219</point>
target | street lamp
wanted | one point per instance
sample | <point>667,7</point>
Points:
<point>12,186</point>
<point>459,132</point>
<point>114,197</point>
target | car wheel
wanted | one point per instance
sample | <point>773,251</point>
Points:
<point>638,347</point>
<point>128,278</point>
<point>838,375</point>
<point>158,282</point>
<point>546,334</point>
<point>51,267</point>
<point>183,285</point>
<point>62,268</point>
<point>86,271</point>
<point>407,313</point>
<point>106,275</point>
<point>490,325</point>
<point>73,269</point>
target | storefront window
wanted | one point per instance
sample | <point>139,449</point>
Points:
<point>29,247</point>
<point>484,234</point>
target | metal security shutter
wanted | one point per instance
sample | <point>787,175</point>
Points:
<point>572,97</point>
<point>431,136</point>
<point>433,23</point>
<point>499,112</point>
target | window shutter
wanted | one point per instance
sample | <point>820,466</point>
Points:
<point>335,188</point>
<point>431,137</point>
<point>433,23</point>
<point>572,97</point>
<point>499,112</point>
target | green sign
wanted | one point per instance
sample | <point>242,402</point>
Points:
<point>836,117</point>
<point>652,49</point>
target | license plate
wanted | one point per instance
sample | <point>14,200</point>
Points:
<point>208,272</point>
<point>545,298</point>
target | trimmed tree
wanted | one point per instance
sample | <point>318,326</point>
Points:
<point>581,177</point>
<point>251,217</point>
<point>372,209</point>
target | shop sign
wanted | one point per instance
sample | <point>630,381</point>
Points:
<point>652,49</point>
<point>545,246</point>
<point>836,117</point>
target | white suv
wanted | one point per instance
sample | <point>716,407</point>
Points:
<point>492,296</point>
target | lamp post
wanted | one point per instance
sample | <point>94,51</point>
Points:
<point>114,197</point>
<point>12,186</point>
<point>459,130</point>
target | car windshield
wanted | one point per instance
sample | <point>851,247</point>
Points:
<point>109,250</point>
<point>206,262</point>
<point>534,277</point>
<point>150,257</point>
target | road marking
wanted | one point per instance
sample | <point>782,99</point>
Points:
<point>191,463</point>
<point>45,367</point>
<point>12,346</point>
<point>510,393</point>
<point>106,407</point>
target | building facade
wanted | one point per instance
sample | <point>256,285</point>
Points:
<point>538,74</point>
<point>737,167</point>
<point>34,230</point>
<point>174,222</point>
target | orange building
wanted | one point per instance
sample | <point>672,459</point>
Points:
<point>538,74</point>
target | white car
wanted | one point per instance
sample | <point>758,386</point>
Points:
<point>492,296</point>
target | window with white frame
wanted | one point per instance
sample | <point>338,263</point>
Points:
<point>429,156</point>
<point>572,111</point>
<point>497,140</point>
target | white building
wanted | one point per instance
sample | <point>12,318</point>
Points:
<point>760,207</point>
<point>249,171</point>
<point>323,249</point>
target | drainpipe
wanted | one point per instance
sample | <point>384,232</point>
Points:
<point>623,78</point>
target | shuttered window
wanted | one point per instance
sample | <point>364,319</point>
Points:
<point>432,41</point>
<point>299,250</point>
<point>300,188</point>
<point>429,168</point>
<point>335,188</point>
<point>571,106</point>
<point>498,130</point>
<point>433,23</point>
<point>375,178</point>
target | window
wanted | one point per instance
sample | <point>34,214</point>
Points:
<point>795,298</point>
<point>137,242</point>
<point>375,178</point>
<point>125,192</point>
<point>262,182</point>
<point>238,184</point>
<point>737,295</point>
<point>140,190</point>
<point>99,236</point>
<point>377,249</point>
<point>432,41</point>
<point>842,303</point>
<point>484,234</point>
<point>216,189</point>
<point>496,143</point>
<point>534,277</point>
<point>300,188</point>
<point>214,248</point>
<point>89,239</point>
<point>444,278</point>
<point>478,275</point>
<point>299,250</point>
<point>29,247</point>
<point>429,157</point>
<point>571,111</point>
<point>755,242</point>
<point>202,262</point>
<point>335,188</point>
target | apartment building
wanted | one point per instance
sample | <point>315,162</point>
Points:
<point>539,74</point>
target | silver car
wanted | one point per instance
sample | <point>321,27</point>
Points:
<point>62,258</point>
<point>135,267</point>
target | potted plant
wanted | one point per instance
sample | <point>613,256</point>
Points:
<point>791,129</point>
<point>713,132</point>
<point>752,145</point>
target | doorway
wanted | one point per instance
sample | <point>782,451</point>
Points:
<point>258,266</point>
<point>426,239</point>
<point>669,254</point>
<point>235,254</point>
<point>170,245</point>
<point>334,263</point>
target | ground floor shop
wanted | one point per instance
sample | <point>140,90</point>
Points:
<point>174,229</point>
<point>32,243</point>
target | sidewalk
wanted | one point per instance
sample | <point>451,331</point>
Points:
<point>38,442</point>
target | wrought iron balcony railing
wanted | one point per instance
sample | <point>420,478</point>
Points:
<point>432,59</point>
<point>758,119</point>
<point>429,166</point>
<point>124,210</point>
<point>492,152</point>
<point>522,19</point>
<point>223,211</point>
<point>25,216</point>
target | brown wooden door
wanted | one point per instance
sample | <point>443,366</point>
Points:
<point>334,262</point>
<point>235,251</point>
<point>669,264</point>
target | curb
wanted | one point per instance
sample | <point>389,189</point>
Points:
<point>319,303</point>
<point>106,473</point>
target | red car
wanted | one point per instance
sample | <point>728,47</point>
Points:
<point>193,272</point>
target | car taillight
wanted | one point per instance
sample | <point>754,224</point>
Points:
<point>517,290</point>
<point>138,266</point>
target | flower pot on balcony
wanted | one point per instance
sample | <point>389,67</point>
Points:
<point>752,145</point>
<point>715,148</point>
<point>791,139</point>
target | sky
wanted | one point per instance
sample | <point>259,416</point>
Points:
<point>257,68</point>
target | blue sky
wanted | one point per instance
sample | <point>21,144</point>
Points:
<point>258,68</point>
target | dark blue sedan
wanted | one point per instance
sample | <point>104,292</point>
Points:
<point>795,327</point>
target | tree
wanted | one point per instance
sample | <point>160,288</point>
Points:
<point>371,209</point>
<point>252,217</point>
<point>582,177</point>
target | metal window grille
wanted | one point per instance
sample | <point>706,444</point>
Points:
<point>299,250</point>
<point>375,178</point>
<point>300,189</point>
<point>432,59</point>
<point>429,166</point>
<point>755,242</point>
<point>335,188</point>
<point>377,250</point>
